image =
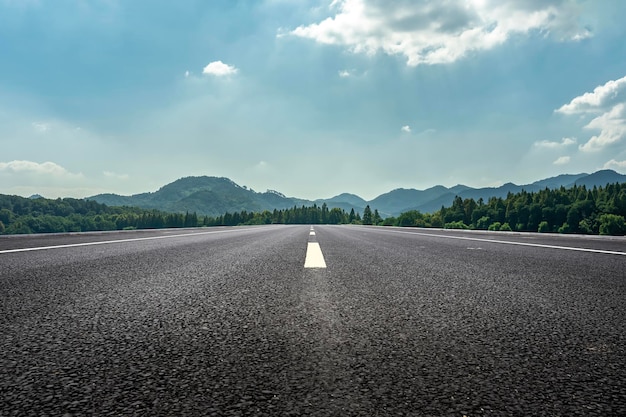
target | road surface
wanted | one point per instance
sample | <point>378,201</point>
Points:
<point>382,321</point>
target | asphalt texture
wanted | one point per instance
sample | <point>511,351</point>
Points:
<point>228,322</point>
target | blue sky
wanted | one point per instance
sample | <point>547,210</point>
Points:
<point>311,98</point>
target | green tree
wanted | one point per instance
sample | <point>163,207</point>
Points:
<point>505,227</point>
<point>456,225</point>
<point>367,215</point>
<point>585,226</point>
<point>483,223</point>
<point>612,224</point>
<point>325,213</point>
<point>409,218</point>
<point>6,216</point>
<point>352,216</point>
<point>336,216</point>
<point>495,226</point>
<point>544,227</point>
<point>377,219</point>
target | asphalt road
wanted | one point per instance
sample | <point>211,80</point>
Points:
<point>227,321</point>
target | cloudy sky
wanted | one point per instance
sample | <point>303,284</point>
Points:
<point>308,97</point>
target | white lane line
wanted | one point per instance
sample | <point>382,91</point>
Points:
<point>507,242</point>
<point>312,233</point>
<point>314,256</point>
<point>107,242</point>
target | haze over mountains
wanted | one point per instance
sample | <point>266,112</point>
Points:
<point>214,196</point>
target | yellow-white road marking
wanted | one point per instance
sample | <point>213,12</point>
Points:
<point>314,256</point>
<point>312,233</point>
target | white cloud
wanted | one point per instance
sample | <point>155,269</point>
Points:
<point>612,164</point>
<point>219,69</point>
<point>427,132</point>
<point>438,32</point>
<point>40,127</point>
<point>546,144</point>
<point>563,160</point>
<point>187,74</point>
<point>406,129</point>
<point>344,73</point>
<point>114,175</point>
<point>600,99</point>
<point>607,105</point>
<point>29,167</point>
<point>612,127</point>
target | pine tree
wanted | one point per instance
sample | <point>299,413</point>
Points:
<point>367,215</point>
<point>352,216</point>
<point>377,219</point>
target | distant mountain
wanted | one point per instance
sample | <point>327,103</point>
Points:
<point>346,202</point>
<point>399,201</point>
<point>565,180</point>
<point>215,196</point>
<point>212,196</point>
<point>602,178</point>
<point>351,199</point>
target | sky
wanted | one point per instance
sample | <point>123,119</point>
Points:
<point>311,98</point>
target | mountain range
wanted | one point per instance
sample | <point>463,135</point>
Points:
<point>214,196</point>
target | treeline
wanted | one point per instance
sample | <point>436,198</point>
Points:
<point>601,210</point>
<point>297,215</point>
<point>19,215</point>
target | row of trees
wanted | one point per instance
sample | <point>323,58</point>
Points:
<point>600,210</point>
<point>20,215</point>
<point>40,215</point>
<point>297,215</point>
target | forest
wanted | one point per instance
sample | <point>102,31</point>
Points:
<point>19,215</point>
<point>601,210</point>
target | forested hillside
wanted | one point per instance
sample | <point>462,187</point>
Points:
<point>19,215</point>
<point>600,210</point>
<point>211,196</point>
<point>39,215</point>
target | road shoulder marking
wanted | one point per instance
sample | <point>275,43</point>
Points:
<point>108,242</point>
<point>507,242</point>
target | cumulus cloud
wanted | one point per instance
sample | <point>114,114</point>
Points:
<point>546,144</point>
<point>406,129</point>
<point>439,32</point>
<point>29,167</point>
<point>613,164</point>
<point>607,105</point>
<point>344,73</point>
<point>612,127</point>
<point>219,69</point>
<point>597,101</point>
<point>563,160</point>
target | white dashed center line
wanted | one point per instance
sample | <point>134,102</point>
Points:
<point>314,256</point>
